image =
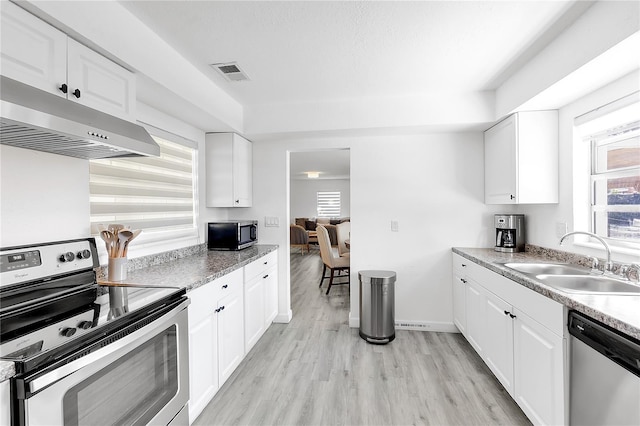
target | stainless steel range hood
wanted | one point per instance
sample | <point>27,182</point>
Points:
<point>34,119</point>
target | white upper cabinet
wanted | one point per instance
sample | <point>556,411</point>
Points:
<point>521,159</point>
<point>33,52</point>
<point>229,162</point>
<point>37,54</point>
<point>98,83</point>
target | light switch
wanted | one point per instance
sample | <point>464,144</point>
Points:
<point>271,221</point>
<point>394,226</point>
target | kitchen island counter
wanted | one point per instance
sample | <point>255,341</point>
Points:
<point>621,312</point>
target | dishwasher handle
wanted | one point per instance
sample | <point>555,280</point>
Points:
<point>622,349</point>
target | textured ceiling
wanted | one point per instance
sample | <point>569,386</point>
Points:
<point>301,51</point>
<point>331,164</point>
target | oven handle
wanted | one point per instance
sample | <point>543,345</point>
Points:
<point>39,383</point>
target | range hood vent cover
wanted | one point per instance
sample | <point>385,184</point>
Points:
<point>231,71</point>
<point>34,119</point>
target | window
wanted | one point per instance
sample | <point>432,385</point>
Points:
<point>615,176</point>
<point>328,203</point>
<point>155,194</point>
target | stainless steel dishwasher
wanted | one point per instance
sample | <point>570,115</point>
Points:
<point>605,374</point>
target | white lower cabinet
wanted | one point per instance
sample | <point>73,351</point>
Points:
<point>216,344</point>
<point>5,404</point>
<point>519,335</point>
<point>539,373</point>
<point>226,318</point>
<point>498,348</point>
<point>260,297</point>
<point>459,288</point>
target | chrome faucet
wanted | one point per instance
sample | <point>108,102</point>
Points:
<point>608,267</point>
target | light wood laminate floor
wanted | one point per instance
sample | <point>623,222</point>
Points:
<point>318,371</point>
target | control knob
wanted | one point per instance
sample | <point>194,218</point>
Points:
<point>67,257</point>
<point>84,254</point>
<point>68,331</point>
<point>85,325</point>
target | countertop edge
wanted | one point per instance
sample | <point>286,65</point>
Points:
<point>557,295</point>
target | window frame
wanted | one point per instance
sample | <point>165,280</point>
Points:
<point>587,128</point>
<point>326,195</point>
<point>161,240</point>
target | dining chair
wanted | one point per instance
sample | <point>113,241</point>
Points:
<point>330,260</point>
<point>343,229</point>
<point>298,237</point>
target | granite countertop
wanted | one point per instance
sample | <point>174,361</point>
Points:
<point>193,271</point>
<point>188,272</point>
<point>621,312</point>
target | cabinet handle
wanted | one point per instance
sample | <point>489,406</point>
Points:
<point>64,88</point>
<point>216,310</point>
<point>76,93</point>
<point>509,313</point>
<point>266,276</point>
<point>464,265</point>
<point>463,280</point>
<point>513,197</point>
<point>225,286</point>
<point>237,201</point>
<point>266,263</point>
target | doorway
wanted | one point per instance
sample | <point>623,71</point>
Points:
<point>319,191</point>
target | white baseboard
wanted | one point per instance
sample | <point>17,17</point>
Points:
<point>440,327</point>
<point>284,318</point>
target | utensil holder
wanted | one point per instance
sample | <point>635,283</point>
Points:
<point>117,270</point>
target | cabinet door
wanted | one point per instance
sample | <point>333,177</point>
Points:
<point>539,371</point>
<point>475,302</point>
<point>203,364</point>
<point>100,83</point>
<point>242,172</point>
<point>500,163</point>
<point>459,289</point>
<point>33,52</point>
<point>271,295</point>
<point>498,343</point>
<point>254,313</point>
<point>230,334</point>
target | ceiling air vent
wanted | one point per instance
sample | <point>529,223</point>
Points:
<point>231,71</point>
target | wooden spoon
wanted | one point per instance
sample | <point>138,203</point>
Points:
<point>133,235</point>
<point>124,237</point>
<point>109,240</point>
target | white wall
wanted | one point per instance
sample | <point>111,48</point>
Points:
<point>304,194</point>
<point>432,185</point>
<point>45,197</point>
<point>541,219</point>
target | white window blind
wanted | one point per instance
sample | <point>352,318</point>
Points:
<point>328,203</point>
<point>148,193</point>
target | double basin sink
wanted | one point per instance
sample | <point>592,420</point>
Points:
<point>575,279</point>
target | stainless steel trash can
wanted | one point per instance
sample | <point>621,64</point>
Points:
<point>377,306</point>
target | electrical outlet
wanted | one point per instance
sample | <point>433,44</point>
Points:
<point>394,226</point>
<point>561,229</point>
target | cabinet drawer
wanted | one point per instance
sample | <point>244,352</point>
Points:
<point>205,298</point>
<point>260,266</point>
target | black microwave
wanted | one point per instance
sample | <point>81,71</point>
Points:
<point>232,234</point>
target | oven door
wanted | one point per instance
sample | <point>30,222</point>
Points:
<point>142,378</point>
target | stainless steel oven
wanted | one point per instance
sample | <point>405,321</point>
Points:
<point>112,355</point>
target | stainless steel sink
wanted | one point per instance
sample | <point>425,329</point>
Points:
<point>592,284</point>
<point>548,268</point>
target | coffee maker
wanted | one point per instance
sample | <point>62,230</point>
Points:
<point>509,232</point>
